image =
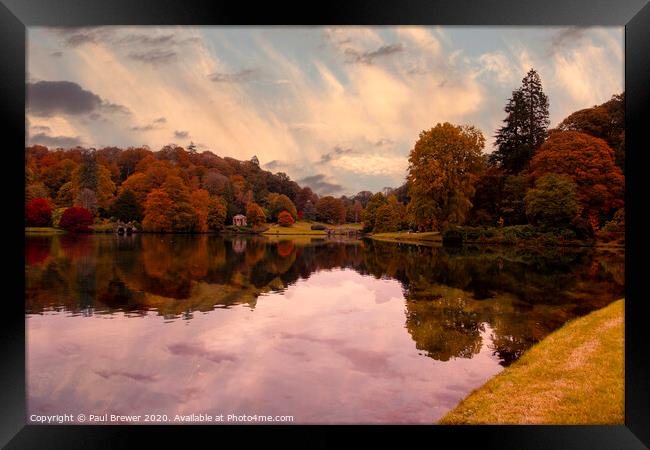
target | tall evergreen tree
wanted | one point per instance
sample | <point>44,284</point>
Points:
<point>87,171</point>
<point>525,128</point>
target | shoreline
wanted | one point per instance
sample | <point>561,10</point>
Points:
<point>575,375</point>
<point>426,239</point>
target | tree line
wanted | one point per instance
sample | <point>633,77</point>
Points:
<point>570,177</point>
<point>170,190</point>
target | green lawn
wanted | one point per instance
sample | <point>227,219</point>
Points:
<point>304,228</point>
<point>400,236</point>
<point>43,230</point>
<point>298,228</point>
<point>573,376</point>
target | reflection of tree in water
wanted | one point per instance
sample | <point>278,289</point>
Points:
<point>443,328</point>
<point>450,293</point>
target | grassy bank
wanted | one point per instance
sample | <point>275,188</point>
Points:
<point>401,236</point>
<point>516,236</point>
<point>298,228</point>
<point>573,376</point>
<point>43,230</point>
<point>304,228</point>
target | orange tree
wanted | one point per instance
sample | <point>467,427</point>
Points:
<point>183,216</point>
<point>285,219</point>
<point>606,121</point>
<point>589,162</point>
<point>443,168</point>
<point>330,210</point>
<point>158,210</point>
<point>217,212</point>
<point>254,214</point>
<point>200,201</point>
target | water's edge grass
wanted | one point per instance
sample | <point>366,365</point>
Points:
<point>573,376</point>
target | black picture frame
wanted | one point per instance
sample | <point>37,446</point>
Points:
<point>16,15</point>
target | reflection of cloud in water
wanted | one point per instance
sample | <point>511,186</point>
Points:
<point>331,347</point>
<point>324,351</point>
<point>192,349</point>
<point>131,375</point>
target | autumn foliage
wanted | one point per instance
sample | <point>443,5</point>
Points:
<point>254,215</point>
<point>157,211</point>
<point>76,219</point>
<point>568,177</point>
<point>330,210</point>
<point>444,166</point>
<point>587,161</point>
<point>38,212</point>
<point>285,219</point>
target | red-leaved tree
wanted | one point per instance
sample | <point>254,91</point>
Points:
<point>589,162</point>
<point>38,212</point>
<point>76,219</point>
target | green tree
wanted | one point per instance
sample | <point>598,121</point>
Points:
<point>56,216</point>
<point>526,126</point>
<point>126,207</point>
<point>488,198</point>
<point>85,175</point>
<point>513,208</point>
<point>443,167</point>
<point>387,217</point>
<point>309,211</point>
<point>65,196</point>
<point>553,202</point>
<point>369,214</point>
<point>278,203</point>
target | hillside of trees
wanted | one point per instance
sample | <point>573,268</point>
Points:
<point>170,190</point>
<point>567,178</point>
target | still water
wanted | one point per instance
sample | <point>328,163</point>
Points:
<point>326,332</point>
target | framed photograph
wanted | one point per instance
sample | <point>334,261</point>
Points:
<point>267,223</point>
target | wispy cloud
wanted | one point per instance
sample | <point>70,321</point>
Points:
<point>350,108</point>
<point>235,77</point>
<point>368,57</point>
<point>335,153</point>
<point>565,38</point>
<point>154,57</point>
<point>155,124</point>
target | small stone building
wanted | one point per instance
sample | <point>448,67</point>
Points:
<point>125,228</point>
<point>239,220</point>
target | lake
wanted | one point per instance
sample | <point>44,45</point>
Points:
<point>358,332</point>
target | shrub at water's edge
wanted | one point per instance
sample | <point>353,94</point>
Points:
<point>573,376</point>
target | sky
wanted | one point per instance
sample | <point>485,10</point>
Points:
<point>335,108</point>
